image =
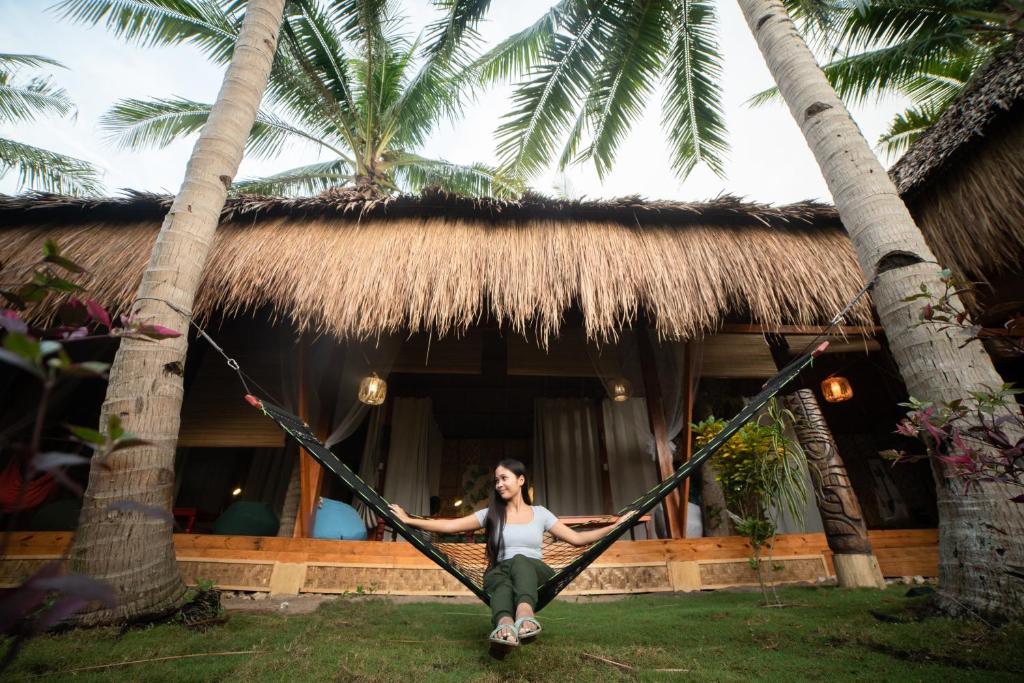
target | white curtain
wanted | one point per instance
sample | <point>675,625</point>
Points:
<point>628,432</point>
<point>566,470</point>
<point>413,455</point>
<point>626,437</point>
<point>623,359</point>
<point>369,466</point>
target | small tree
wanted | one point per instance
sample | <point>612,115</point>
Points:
<point>762,474</point>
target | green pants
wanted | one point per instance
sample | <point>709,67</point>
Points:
<point>512,582</point>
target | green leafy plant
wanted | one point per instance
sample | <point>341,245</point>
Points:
<point>762,474</point>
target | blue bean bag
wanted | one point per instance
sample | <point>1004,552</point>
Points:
<point>336,520</point>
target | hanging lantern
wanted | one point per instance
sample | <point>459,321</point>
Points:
<point>620,389</point>
<point>373,390</point>
<point>836,389</point>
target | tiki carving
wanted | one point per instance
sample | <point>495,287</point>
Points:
<point>837,502</point>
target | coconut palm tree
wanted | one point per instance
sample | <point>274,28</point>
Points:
<point>924,50</point>
<point>584,77</point>
<point>124,534</point>
<point>24,100</point>
<point>357,91</point>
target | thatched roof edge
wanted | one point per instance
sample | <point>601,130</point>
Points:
<point>131,206</point>
<point>996,90</point>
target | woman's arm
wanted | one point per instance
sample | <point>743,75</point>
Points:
<point>563,532</point>
<point>441,526</point>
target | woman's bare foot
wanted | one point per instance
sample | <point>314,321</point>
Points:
<point>527,627</point>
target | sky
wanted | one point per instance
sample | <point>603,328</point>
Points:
<point>768,159</point>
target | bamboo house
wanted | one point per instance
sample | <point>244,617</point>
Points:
<point>582,337</point>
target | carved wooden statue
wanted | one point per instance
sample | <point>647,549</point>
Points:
<point>840,510</point>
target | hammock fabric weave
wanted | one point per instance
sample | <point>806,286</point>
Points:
<point>466,561</point>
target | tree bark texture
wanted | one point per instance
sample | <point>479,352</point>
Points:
<point>712,499</point>
<point>845,530</point>
<point>131,549</point>
<point>981,534</point>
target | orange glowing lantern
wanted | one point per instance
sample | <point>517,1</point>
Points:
<point>836,389</point>
<point>373,390</point>
<point>620,389</point>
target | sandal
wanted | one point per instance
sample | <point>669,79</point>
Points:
<point>528,634</point>
<point>496,638</point>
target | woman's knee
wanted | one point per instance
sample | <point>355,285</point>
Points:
<point>521,562</point>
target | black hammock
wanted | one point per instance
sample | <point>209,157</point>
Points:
<point>467,561</point>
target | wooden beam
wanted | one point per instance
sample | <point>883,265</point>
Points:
<point>843,330</point>
<point>687,440</point>
<point>656,417</point>
<point>310,472</point>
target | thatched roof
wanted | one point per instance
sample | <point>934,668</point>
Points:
<point>997,90</point>
<point>964,179</point>
<point>351,267</point>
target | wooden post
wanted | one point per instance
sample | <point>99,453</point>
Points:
<point>310,472</point>
<point>841,516</point>
<point>656,416</point>
<point>687,434</point>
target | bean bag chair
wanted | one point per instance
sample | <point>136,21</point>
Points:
<point>338,521</point>
<point>247,518</point>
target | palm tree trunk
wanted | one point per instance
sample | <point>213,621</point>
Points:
<point>981,534</point>
<point>129,547</point>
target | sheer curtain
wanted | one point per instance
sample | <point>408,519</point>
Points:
<point>413,454</point>
<point>566,470</point>
<point>370,464</point>
<point>361,358</point>
<point>631,449</point>
<point>626,437</point>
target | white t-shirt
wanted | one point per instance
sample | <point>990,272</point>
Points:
<point>523,539</point>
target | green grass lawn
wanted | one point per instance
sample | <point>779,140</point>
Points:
<point>823,634</point>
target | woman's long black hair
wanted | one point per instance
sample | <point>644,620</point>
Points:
<point>497,511</point>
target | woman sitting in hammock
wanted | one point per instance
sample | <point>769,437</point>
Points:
<point>515,531</point>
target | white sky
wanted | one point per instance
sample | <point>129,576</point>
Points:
<point>769,160</point>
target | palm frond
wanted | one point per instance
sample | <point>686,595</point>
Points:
<point>905,128</point>
<point>518,54</point>
<point>936,88</point>
<point>449,35</point>
<point>416,173</point>
<point>310,179</point>
<point>204,23</point>
<point>438,90</point>
<point>634,55</point>
<point>38,97</point>
<point>544,105</point>
<point>692,114</point>
<point>363,20</point>
<point>892,22</point>
<point>40,169</point>
<point>310,77</point>
<point>144,124</point>
<point>11,61</point>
